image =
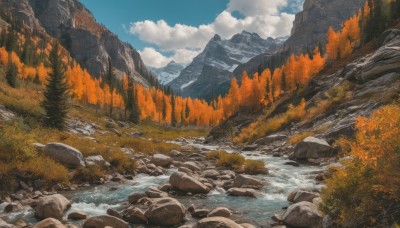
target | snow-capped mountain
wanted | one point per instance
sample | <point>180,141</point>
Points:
<point>168,73</point>
<point>214,66</point>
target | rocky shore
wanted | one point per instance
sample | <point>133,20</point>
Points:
<point>193,176</point>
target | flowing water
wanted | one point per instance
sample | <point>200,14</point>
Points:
<point>281,180</point>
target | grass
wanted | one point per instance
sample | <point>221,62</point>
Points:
<point>263,127</point>
<point>238,162</point>
<point>299,137</point>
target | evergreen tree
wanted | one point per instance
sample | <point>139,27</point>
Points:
<point>11,43</point>
<point>27,51</point>
<point>135,114</point>
<point>109,80</point>
<point>11,74</point>
<point>187,109</point>
<point>37,79</point>
<point>164,109</point>
<point>268,90</point>
<point>321,49</point>
<point>129,98</point>
<point>56,93</point>
<point>173,117</point>
<point>283,82</point>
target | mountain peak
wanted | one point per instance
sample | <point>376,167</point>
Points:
<point>216,38</point>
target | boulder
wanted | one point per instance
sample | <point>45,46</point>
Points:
<point>303,214</point>
<point>248,225</point>
<point>135,216</point>
<point>65,154</point>
<point>247,192</point>
<point>135,197</point>
<point>103,221</point>
<point>49,223</point>
<point>52,206</point>
<point>185,170</point>
<point>312,148</point>
<point>300,196</point>
<point>211,173</point>
<point>186,183</point>
<point>77,215</point>
<point>96,160</point>
<point>161,160</point>
<point>220,212</point>
<point>155,193</point>
<point>270,139</point>
<point>114,213</point>
<point>246,181</point>
<point>217,222</point>
<point>3,224</point>
<point>192,166</point>
<point>200,213</point>
<point>166,212</point>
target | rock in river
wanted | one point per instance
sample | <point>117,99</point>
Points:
<point>52,207</point>
<point>186,183</point>
<point>166,212</point>
<point>303,214</point>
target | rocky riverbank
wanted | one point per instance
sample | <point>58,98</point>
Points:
<point>191,190</point>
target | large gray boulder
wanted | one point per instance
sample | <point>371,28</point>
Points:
<point>246,181</point>
<point>246,192</point>
<point>220,212</point>
<point>302,214</point>
<point>186,183</point>
<point>161,160</point>
<point>312,148</point>
<point>65,154</point>
<point>166,212</point>
<point>103,221</point>
<point>217,222</point>
<point>135,216</point>
<point>52,206</point>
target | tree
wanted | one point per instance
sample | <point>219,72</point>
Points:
<point>164,108</point>
<point>109,80</point>
<point>187,109</point>
<point>135,114</point>
<point>11,74</point>
<point>130,96</point>
<point>56,93</point>
<point>173,117</point>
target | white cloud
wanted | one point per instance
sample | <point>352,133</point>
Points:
<point>259,16</point>
<point>151,57</point>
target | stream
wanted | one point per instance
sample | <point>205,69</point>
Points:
<point>281,180</point>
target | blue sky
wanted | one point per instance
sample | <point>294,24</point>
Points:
<point>165,30</point>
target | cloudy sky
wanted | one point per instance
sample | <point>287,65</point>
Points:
<point>166,30</point>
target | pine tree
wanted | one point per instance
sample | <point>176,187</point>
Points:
<point>109,80</point>
<point>11,74</point>
<point>27,51</point>
<point>283,82</point>
<point>173,117</point>
<point>164,109</point>
<point>56,93</point>
<point>187,109</point>
<point>11,43</point>
<point>135,114</point>
<point>129,99</point>
<point>268,90</point>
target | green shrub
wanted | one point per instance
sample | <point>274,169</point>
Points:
<point>231,161</point>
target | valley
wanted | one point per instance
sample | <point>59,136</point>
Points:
<point>294,131</point>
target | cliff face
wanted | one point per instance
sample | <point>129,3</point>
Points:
<point>75,27</point>
<point>311,25</point>
<point>310,28</point>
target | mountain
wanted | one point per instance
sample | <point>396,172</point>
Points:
<point>168,73</point>
<point>74,26</point>
<point>309,29</point>
<point>206,76</point>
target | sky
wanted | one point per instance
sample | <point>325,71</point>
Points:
<point>178,30</point>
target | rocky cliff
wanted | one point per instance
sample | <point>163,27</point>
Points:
<point>90,43</point>
<point>310,28</point>
<point>214,66</point>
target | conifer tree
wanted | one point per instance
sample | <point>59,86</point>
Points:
<point>173,117</point>
<point>56,93</point>
<point>11,74</point>
<point>283,81</point>
<point>135,114</point>
<point>164,109</point>
<point>129,99</point>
